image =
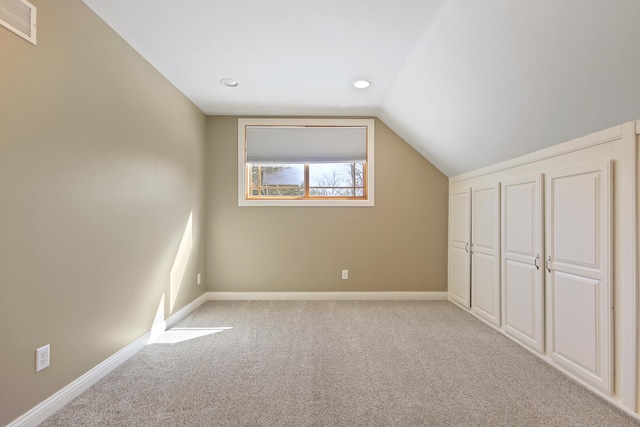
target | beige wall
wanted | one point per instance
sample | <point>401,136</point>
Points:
<point>398,245</point>
<point>101,164</point>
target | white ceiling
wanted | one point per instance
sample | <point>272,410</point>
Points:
<point>467,83</point>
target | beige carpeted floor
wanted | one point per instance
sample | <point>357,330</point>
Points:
<point>335,363</point>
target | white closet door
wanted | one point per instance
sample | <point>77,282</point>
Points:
<point>522,261</point>
<point>460,277</point>
<point>485,253</point>
<point>579,265</point>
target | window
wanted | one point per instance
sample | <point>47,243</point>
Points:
<point>305,162</point>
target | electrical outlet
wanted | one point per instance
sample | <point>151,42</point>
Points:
<point>199,279</point>
<point>345,274</point>
<point>42,357</point>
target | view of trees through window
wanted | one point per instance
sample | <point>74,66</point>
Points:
<point>325,180</point>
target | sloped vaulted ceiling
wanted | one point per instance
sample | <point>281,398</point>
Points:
<point>467,83</point>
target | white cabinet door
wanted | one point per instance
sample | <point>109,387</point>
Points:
<point>579,287</point>
<point>522,271</point>
<point>459,276</point>
<point>485,253</point>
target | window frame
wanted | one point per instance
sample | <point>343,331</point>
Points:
<point>243,172</point>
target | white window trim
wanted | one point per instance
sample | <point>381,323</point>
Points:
<point>243,123</point>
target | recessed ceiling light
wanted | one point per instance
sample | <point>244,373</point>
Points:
<point>229,82</point>
<point>361,84</point>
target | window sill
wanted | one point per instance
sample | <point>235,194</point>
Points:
<point>300,203</point>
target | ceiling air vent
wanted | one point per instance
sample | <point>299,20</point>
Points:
<point>19,16</point>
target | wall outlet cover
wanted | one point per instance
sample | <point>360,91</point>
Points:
<point>43,355</point>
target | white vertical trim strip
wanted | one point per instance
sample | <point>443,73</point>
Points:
<point>626,285</point>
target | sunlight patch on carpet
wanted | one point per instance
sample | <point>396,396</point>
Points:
<point>178,335</point>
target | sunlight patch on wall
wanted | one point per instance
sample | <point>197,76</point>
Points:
<point>180,263</point>
<point>159,324</point>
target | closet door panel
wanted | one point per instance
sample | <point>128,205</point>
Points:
<point>484,295</point>
<point>522,312</point>
<point>522,275</point>
<point>579,272</point>
<point>575,308</point>
<point>521,199</point>
<point>485,250</point>
<point>484,214</point>
<point>460,206</point>
<point>575,220</point>
<point>460,276</point>
<point>460,252</point>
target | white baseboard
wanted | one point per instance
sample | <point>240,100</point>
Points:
<point>47,408</point>
<point>326,296</point>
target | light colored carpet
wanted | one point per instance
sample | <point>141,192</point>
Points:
<point>336,363</point>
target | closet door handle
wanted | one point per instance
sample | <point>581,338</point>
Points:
<point>466,247</point>
<point>536,262</point>
<point>547,264</point>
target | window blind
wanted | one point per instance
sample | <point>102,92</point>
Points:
<point>280,144</point>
